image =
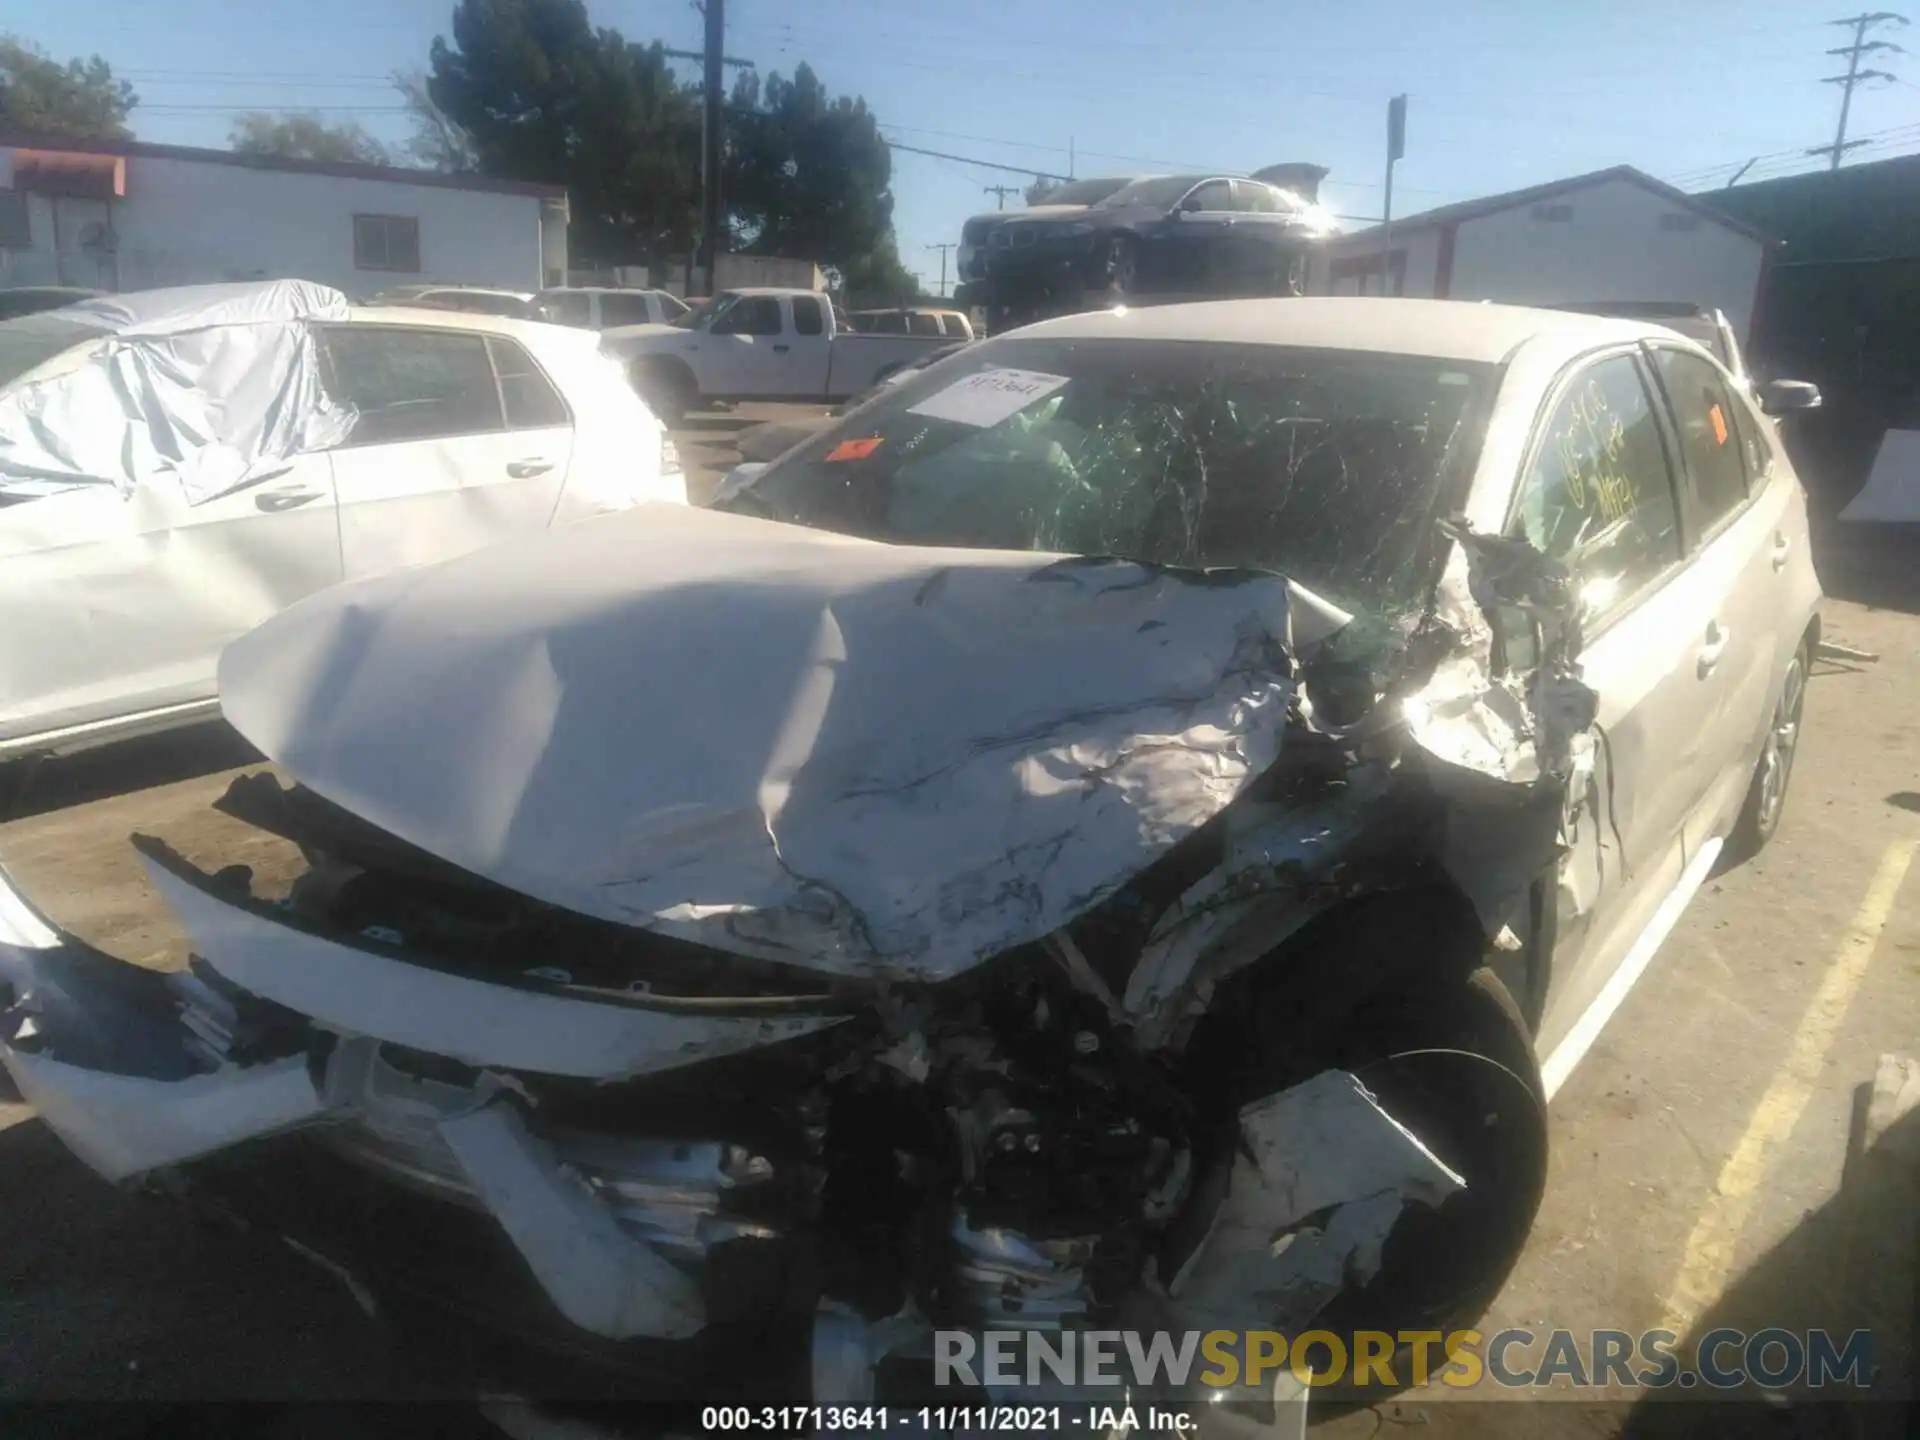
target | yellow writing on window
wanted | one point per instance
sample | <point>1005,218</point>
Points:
<point>1591,447</point>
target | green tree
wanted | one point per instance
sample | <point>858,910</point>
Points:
<point>809,175</point>
<point>303,135</point>
<point>437,143</point>
<point>542,95</point>
<point>539,94</point>
<point>80,100</point>
<point>879,278</point>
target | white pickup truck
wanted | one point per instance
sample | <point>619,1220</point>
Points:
<point>759,344</point>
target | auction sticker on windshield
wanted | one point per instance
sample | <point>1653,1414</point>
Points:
<point>854,449</point>
<point>988,397</point>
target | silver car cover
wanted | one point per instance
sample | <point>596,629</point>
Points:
<point>213,385</point>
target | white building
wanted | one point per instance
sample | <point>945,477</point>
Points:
<point>1616,234</point>
<point>125,215</point>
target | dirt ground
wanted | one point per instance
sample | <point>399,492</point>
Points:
<point>1698,1148</point>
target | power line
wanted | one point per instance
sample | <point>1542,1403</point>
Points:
<point>1855,75</point>
<point>1778,163</point>
<point>984,164</point>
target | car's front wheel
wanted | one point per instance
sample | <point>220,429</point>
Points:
<point>1394,990</point>
<point>1767,794</point>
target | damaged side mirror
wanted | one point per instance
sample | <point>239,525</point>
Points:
<point>1785,397</point>
<point>1527,596</point>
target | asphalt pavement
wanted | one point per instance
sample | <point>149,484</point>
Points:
<point>1697,1151</point>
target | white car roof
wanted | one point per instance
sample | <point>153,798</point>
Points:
<point>436,319</point>
<point>460,290</point>
<point>1441,329</point>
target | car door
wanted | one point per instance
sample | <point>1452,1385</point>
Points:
<point>809,360</point>
<point>116,604</point>
<point>1599,493</point>
<point>1260,252</point>
<point>1190,251</point>
<point>1736,523</point>
<point>461,440</point>
<point>746,349</point>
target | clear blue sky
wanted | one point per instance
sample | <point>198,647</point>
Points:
<point>1502,93</point>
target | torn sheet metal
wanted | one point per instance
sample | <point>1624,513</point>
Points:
<point>212,385</point>
<point>600,1278</point>
<point>364,992</point>
<point>1325,1176</point>
<point>864,758</point>
<point>125,1125</point>
<point>96,1046</point>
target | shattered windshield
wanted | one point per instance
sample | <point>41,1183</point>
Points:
<point>1323,465</point>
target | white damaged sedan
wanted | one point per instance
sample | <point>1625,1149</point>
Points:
<point>1126,829</point>
<point>178,465</point>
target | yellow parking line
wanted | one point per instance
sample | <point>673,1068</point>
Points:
<point>1708,1259</point>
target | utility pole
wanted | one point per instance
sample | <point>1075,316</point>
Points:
<point>714,60</point>
<point>943,248</point>
<point>1396,147</point>
<point>1001,192</point>
<point>709,126</point>
<point>1856,76</point>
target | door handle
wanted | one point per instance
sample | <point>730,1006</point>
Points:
<point>1714,648</point>
<point>527,469</point>
<point>1782,547</point>
<point>781,349</point>
<point>272,502</point>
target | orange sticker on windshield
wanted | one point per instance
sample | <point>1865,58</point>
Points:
<point>854,449</point>
<point>1719,425</point>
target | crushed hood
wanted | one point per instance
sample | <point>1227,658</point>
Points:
<point>870,759</point>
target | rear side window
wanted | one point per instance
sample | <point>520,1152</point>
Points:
<point>412,384</point>
<point>750,315</point>
<point>1215,195</point>
<point>807,319</point>
<point>529,397</point>
<point>506,306</point>
<point>567,308</point>
<point>923,325</point>
<point>618,309</point>
<point>1598,493</point>
<point>1703,407</point>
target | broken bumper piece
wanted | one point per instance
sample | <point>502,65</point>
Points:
<point>139,1071</point>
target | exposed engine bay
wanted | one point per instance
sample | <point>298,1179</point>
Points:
<point>853,1101</point>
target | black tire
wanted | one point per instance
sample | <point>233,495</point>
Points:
<point>1767,794</point>
<point>1394,990</point>
<point>668,390</point>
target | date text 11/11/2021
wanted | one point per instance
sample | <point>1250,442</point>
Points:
<point>880,1419</point>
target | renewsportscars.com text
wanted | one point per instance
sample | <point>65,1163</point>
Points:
<point>1461,1359</point>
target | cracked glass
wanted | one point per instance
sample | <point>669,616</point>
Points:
<point>1327,466</point>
